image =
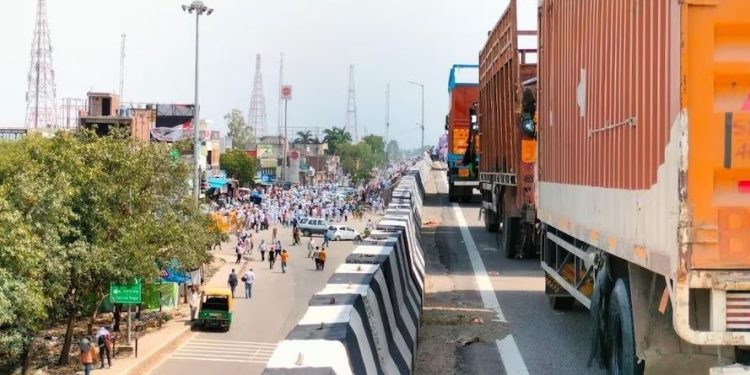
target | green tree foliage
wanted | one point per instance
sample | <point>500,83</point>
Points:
<point>78,212</point>
<point>336,137</point>
<point>305,137</point>
<point>239,165</point>
<point>377,145</point>
<point>357,160</point>
<point>239,131</point>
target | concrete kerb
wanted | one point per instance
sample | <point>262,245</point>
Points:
<point>145,363</point>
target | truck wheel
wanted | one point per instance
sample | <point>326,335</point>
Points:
<point>621,358</point>
<point>561,303</point>
<point>490,221</point>
<point>509,236</point>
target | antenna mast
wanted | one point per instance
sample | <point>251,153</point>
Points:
<point>257,116</point>
<point>41,94</point>
<point>122,65</point>
<point>351,108</point>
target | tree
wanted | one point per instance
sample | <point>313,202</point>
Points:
<point>357,160</point>
<point>91,211</point>
<point>377,144</point>
<point>392,150</point>
<point>239,131</point>
<point>305,137</point>
<point>335,137</point>
<point>239,165</point>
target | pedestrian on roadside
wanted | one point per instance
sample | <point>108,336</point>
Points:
<point>249,278</point>
<point>88,353</point>
<point>322,258</point>
<point>277,249</point>
<point>284,259</point>
<point>104,341</point>
<point>238,250</point>
<point>274,231</point>
<point>316,258</point>
<point>195,300</point>
<point>262,247</point>
<point>295,235</point>
<point>232,281</point>
<point>271,259</point>
<point>310,247</point>
<point>325,238</point>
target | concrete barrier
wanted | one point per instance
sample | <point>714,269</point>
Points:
<point>366,320</point>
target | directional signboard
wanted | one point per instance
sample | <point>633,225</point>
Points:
<point>129,293</point>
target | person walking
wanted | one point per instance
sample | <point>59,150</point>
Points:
<point>271,259</point>
<point>325,238</point>
<point>249,278</point>
<point>277,249</point>
<point>104,341</point>
<point>87,355</point>
<point>322,258</point>
<point>316,258</point>
<point>239,251</point>
<point>232,281</point>
<point>263,248</point>
<point>195,300</point>
<point>310,247</point>
<point>284,259</point>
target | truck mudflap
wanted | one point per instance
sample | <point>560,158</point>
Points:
<point>729,307</point>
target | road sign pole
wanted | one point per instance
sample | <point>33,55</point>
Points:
<point>129,321</point>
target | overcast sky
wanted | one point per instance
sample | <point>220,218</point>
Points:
<point>388,41</point>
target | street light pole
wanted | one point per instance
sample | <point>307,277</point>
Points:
<point>286,143</point>
<point>199,8</point>
<point>421,86</point>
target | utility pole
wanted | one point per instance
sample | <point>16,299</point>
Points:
<point>122,65</point>
<point>387,117</point>
<point>199,8</point>
<point>421,86</point>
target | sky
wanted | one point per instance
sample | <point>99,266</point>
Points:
<point>388,41</point>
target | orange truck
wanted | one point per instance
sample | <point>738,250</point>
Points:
<point>640,177</point>
<point>463,133</point>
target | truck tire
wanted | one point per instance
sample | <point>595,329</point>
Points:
<point>621,358</point>
<point>561,303</point>
<point>490,221</point>
<point>509,236</point>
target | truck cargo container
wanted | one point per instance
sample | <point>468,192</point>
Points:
<point>460,123</point>
<point>643,181</point>
<point>507,104</point>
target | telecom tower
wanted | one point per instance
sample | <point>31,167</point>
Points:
<point>40,95</point>
<point>257,117</point>
<point>351,108</point>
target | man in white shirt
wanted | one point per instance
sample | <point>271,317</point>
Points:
<point>249,278</point>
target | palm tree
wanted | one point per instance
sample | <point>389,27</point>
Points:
<point>336,136</point>
<point>304,137</point>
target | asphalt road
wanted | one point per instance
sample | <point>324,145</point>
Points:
<point>549,342</point>
<point>278,302</point>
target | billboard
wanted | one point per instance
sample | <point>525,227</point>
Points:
<point>265,151</point>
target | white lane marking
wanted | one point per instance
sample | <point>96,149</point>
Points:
<point>186,358</point>
<point>512,360</point>
<point>487,292</point>
<point>198,349</point>
<point>509,353</point>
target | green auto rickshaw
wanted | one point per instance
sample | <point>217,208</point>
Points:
<point>216,308</point>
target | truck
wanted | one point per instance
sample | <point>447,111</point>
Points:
<point>463,141</point>
<point>641,181</point>
<point>507,107</point>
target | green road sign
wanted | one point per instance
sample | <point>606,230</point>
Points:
<point>129,293</point>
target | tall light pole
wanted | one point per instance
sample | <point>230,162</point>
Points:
<point>421,86</point>
<point>199,8</point>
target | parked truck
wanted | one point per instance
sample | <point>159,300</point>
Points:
<point>507,107</point>
<point>463,140</point>
<point>641,181</point>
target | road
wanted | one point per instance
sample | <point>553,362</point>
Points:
<point>548,342</point>
<point>278,302</point>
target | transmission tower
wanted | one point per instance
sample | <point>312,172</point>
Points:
<point>41,109</point>
<point>351,107</point>
<point>257,117</point>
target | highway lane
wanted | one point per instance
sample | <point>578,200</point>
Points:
<point>549,342</point>
<point>278,302</point>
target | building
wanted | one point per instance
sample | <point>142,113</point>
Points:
<point>103,114</point>
<point>270,151</point>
